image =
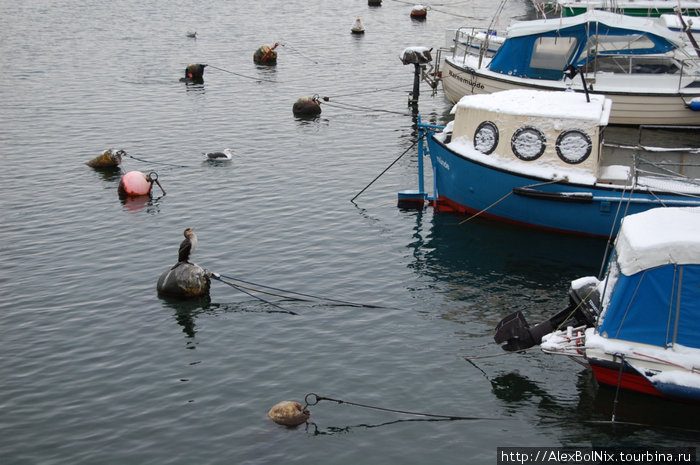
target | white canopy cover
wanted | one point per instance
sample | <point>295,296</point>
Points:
<point>657,237</point>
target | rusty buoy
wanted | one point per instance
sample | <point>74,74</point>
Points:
<point>194,74</point>
<point>184,280</point>
<point>419,12</point>
<point>266,55</point>
<point>110,158</point>
<point>306,107</point>
<point>289,413</point>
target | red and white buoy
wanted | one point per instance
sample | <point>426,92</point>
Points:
<point>135,183</point>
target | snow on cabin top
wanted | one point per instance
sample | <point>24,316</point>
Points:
<point>657,237</point>
<point>635,24</point>
<point>542,103</point>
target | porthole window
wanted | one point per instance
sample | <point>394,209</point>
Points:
<point>528,143</point>
<point>486,137</point>
<point>573,146</point>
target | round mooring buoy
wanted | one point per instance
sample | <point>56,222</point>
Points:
<point>110,158</point>
<point>194,74</point>
<point>265,55</point>
<point>357,27</point>
<point>135,183</point>
<point>289,413</point>
<point>419,12</point>
<point>184,280</point>
<point>306,107</point>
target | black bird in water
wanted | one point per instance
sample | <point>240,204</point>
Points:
<point>187,246</point>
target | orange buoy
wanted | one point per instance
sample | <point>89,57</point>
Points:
<point>289,413</point>
<point>266,55</point>
<point>419,12</point>
<point>135,183</point>
<point>110,158</point>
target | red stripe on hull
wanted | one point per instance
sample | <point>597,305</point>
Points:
<point>630,379</point>
<point>445,204</point>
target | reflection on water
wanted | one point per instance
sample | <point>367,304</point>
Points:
<point>140,203</point>
<point>498,251</point>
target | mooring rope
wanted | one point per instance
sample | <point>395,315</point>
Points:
<point>395,88</point>
<point>312,399</point>
<point>298,52</point>
<point>617,390</point>
<point>554,181</point>
<point>349,106</point>
<point>517,352</point>
<point>218,278</point>
<point>388,167</point>
<point>155,162</point>
<point>432,8</point>
<point>310,296</point>
<point>241,75</point>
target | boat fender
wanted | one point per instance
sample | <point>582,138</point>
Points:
<point>306,106</point>
<point>695,104</point>
<point>135,183</point>
<point>289,413</point>
<point>184,280</point>
<point>110,158</point>
<point>194,74</point>
<point>266,55</point>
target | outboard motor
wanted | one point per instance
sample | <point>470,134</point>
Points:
<point>583,309</point>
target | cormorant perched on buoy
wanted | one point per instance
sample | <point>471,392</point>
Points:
<point>187,247</point>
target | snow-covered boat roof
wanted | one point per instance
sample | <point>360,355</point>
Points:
<point>642,24</point>
<point>545,104</point>
<point>657,237</point>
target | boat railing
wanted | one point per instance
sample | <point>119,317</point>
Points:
<point>678,160</point>
<point>473,41</point>
<point>624,63</point>
<point>689,67</point>
<point>570,342</point>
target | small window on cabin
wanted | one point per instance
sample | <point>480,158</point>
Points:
<point>552,52</point>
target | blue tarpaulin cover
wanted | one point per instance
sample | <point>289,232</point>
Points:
<point>514,56</point>
<point>643,307</point>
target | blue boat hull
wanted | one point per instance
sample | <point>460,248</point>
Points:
<point>464,185</point>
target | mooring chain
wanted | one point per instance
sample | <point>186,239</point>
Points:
<point>312,399</point>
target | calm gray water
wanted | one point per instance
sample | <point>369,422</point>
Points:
<point>95,368</point>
